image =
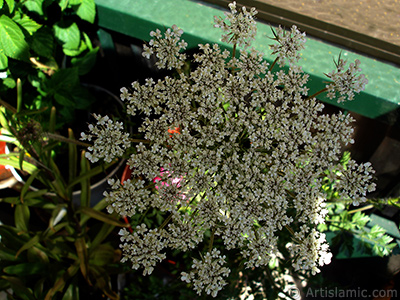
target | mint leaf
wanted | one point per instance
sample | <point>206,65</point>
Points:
<point>87,11</point>
<point>12,40</point>
<point>68,34</point>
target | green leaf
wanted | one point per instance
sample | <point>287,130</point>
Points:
<point>87,10</point>
<point>102,255</point>
<point>63,80</point>
<point>24,269</point>
<point>1,4</point>
<point>35,6</point>
<point>68,34</point>
<point>19,288</point>
<point>43,42</point>
<point>22,215</point>
<point>9,82</point>
<point>106,218</point>
<point>3,61</point>
<point>32,242</point>
<point>11,5</point>
<point>85,63</point>
<point>64,98</point>
<point>12,40</point>
<point>74,2</point>
<point>75,52</point>
<point>27,23</point>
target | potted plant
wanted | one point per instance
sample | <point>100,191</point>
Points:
<point>54,248</point>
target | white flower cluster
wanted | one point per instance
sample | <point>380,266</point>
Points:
<point>109,139</point>
<point>208,273</point>
<point>346,82</point>
<point>289,45</point>
<point>143,247</point>
<point>236,151</point>
<point>240,27</point>
<point>167,49</point>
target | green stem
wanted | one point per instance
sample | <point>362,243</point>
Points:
<point>361,209</point>
<point>273,64</point>
<point>166,221</point>
<point>317,93</point>
<point>210,245</point>
<point>19,95</point>
<point>64,139</point>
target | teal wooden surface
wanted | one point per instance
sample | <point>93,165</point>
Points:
<point>137,18</point>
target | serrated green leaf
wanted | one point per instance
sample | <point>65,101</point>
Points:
<point>3,61</point>
<point>43,42</point>
<point>87,10</point>
<point>85,63</point>
<point>27,23</point>
<point>68,34</point>
<point>12,40</point>
<point>35,6</point>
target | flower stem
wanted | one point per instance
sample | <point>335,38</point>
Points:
<point>273,64</point>
<point>210,245</point>
<point>317,93</point>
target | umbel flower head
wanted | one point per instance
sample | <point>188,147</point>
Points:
<point>234,151</point>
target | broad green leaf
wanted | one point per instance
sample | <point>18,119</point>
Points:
<point>12,40</point>
<point>22,215</point>
<point>63,4</point>
<point>74,2</point>
<point>3,62</point>
<point>85,63</point>
<point>43,42</point>
<point>35,6</point>
<point>24,269</point>
<point>11,5</point>
<point>68,34</point>
<point>27,23</point>
<point>87,10</point>
<point>1,4</point>
<point>64,98</point>
<point>9,82</point>
<point>63,80</point>
<point>76,51</point>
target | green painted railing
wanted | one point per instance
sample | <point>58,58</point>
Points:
<point>136,18</point>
